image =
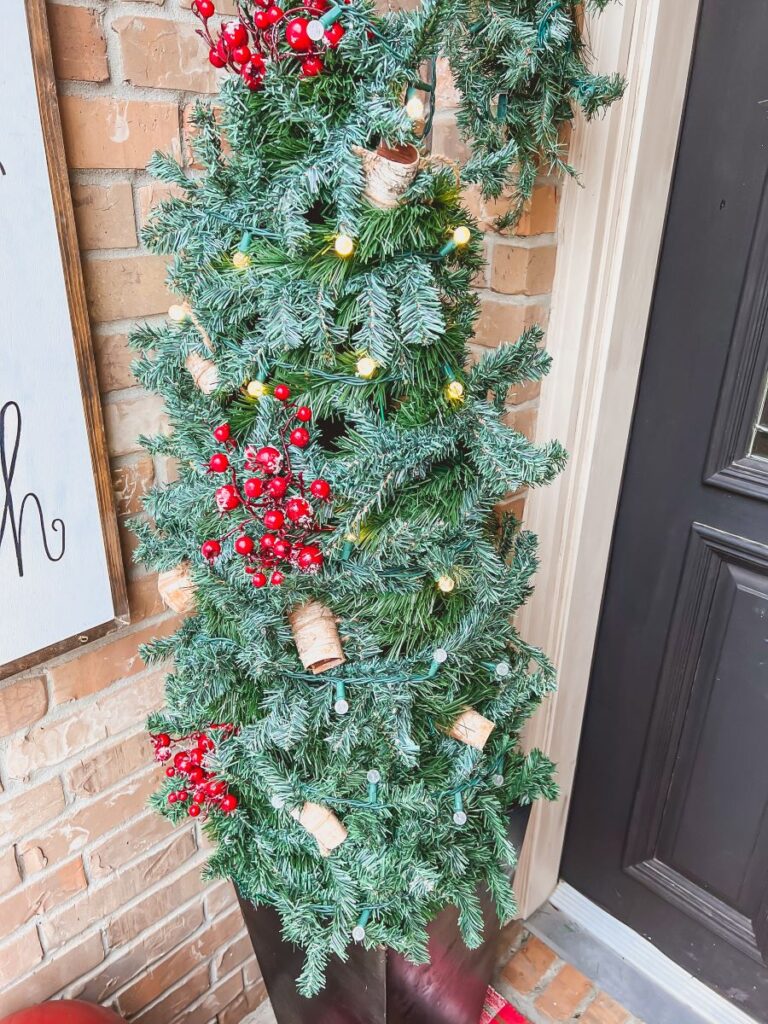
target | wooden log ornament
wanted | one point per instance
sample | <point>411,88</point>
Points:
<point>204,372</point>
<point>472,729</point>
<point>177,589</point>
<point>323,824</point>
<point>316,637</point>
<point>389,171</point>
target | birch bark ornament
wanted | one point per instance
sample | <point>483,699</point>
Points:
<point>388,172</point>
<point>177,589</point>
<point>316,637</point>
<point>471,728</point>
<point>204,372</point>
<point>323,824</point>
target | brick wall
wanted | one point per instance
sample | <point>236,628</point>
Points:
<point>99,898</point>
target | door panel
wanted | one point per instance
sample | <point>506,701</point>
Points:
<point>669,823</point>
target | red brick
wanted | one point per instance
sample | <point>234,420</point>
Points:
<point>101,900</point>
<point>447,141</point>
<point>130,705</point>
<point>113,361</point>
<point>78,44</point>
<point>22,703</point>
<point>528,966</point>
<point>152,195</point>
<point>35,805</point>
<point>127,418</point>
<point>447,96</point>
<point>107,132</point>
<point>540,215</point>
<point>50,977</point>
<point>605,1011</point>
<point>522,270</point>
<point>52,742</point>
<point>131,482</point>
<point>126,287</point>
<point>104,214</point>
<point>41,895</point>
<point>9,871</point>
<point>99,667</point>
<point>113,853</point>
<point>131,963</point>
<point>230,956</point>
<point>244,1004</point>
<point>564,994</point>
<point>164,54</point>
<point>19,955</point>
<point>174,967</point>
<point>89,822</point>
<point>503,322</point>
<point>125,925</point>
<point>216,999</point>
<point>92,775</point>
<point>175,1002</point>
<point>522,420</point>
<point>143,597</point>
<point>220,897</point>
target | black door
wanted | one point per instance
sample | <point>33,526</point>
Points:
<point>669,823</point>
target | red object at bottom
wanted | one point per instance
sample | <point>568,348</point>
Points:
<point>497,1011</point>
<point>64,1011</point>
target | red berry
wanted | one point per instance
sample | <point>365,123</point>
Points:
<point>334,34</point>
<point>229,803</point>
<point>218,463</point>
<point>300,437</point>
<point>281,548</point>
<point>297,509</point>
<point>182,795</point>
<point>193,810</point>
<point>235,33</point>
<point>304,413</point>
<point>217,787</point>
<point>204,8</point>
<point>196,756</point>
<point>200,795</point>
<point>311,67</point>
<point>296,34</point>
<point>282,392</point>
<point>244,545</point>
<point>210,549</point>
<point>267,542</point>
<point>277,486</point>
<point>170,772</point>
<point>259,579</point>
<point>261,20</point>
<point>274,519</point>
<point>267,459</point>
<point>196,775</point>
<point>216,59</point>
<point>310,558</point>
<point>172,798</point>
<point>227,498</point>
<point>254,486</point>
<point>274,13</point>
<point>163,739</point>
<point>222,432</point>
<point>320,489</point>
<point>252,75</point>
<point>241,55</point>
<point>276,578</point>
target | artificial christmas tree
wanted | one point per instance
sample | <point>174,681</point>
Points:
<point>349,688</point>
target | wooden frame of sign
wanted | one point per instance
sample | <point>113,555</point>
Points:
<point>113,590</point>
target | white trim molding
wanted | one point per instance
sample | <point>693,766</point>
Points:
<point>610,235</point>
<point>647,982</point>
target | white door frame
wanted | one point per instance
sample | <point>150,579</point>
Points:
<point>610,234</point>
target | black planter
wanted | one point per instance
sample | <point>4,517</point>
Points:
<point>379,986</point>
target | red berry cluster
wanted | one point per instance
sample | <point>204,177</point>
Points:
<point>200,789</point>
<point>247,44</point>
<point>273,499</point>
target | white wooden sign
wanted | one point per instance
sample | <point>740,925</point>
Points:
<point>61,580</point>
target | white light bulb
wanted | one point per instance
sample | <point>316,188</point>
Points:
<point>315,31</point>
<point>503,669</point>
<point>277,802</point>
<point>414,108</point>
<point>440,655</point>
<point>374,777</point>
<point>498,780</point>
<point>341,707</point>
<point>358,933</point>
<point>460,818</point>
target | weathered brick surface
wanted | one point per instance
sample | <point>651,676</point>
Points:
<point>164,54</point>
<point>104,215</point>
<point>22,703</point>
<point>110,132</point>
<point>19,955</point>
<point>113,361</point>
<point>605,1010</point>
<point>126,287</point>
<point>528,966</point>
<point>564,995</point>
<point>125,419</point>
<point>41,895</point>
<point>55,974</point>
<point>79,47</point>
